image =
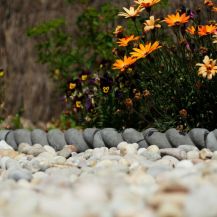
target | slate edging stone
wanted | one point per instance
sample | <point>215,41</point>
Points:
<point>109,137</point>
<point>56,139</point>
<point>3,134</point>
<point>131,135</point>
<point>154,137</point>
<point>75,137</point>
<point>98,141</point>
<point>11,140</point>
<point>198,136</point>
<point>88,135</point>
<point>22,136</point>
<point>38,136</point>
<point>211,140</point>
<point>177,138</point>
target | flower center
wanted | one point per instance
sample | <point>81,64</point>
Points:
<point>84,77</point>
<point>78,104</point>
<point>177,23</point>
<point>105,89</point>
<point>72,86</point>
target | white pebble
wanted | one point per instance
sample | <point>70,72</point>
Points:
<point>50,150</point>
<point>4,145</point>
<point>153,148</point>
<point>184,164</point>
<point>141,150</point>
<point>126,148</point>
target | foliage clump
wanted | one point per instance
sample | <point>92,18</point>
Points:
<point>149,71</point>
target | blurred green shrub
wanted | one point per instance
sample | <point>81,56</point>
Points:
<point>68,56</point>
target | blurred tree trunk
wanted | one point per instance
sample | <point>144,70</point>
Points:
<point>28,87</point>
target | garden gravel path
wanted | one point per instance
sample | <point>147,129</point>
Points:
<point>127,180</point>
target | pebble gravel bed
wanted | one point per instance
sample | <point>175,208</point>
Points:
<point>127,180</point>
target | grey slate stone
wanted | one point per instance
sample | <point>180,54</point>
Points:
<point>98,141</point>
<point>22,136</point>
<point>176,138</point>
<point>11,140</point>
<point>3,134</point>
<point>88,135</point>
<point>56,139</point>
<point>153,137</point>
<point>211,141</point>
<point>198,137</point>
<point>111,137</point>
<point>75,137</point>
<point>215,133</point>
<point>149,131</point>
<point>38,136</point>
<point>131,135</point>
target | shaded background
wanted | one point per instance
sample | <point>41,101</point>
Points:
<point>28,88</point>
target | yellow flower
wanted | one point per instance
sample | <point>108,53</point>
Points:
<point>123,42</point>
<point>215,38</point>
<point>191,30</point>
<point>84,77</point>
<point>72,86</point>
<point>78,104</point>
<point>151,24</point>
<point>176,19</point>
<point>146,3</point>
<point>2,73</point>
<point>118,30</point>
<point>208,3</point>
<point>143,51</point>
<point>208,68</point>
<point>57,72</point>
<point>123,64</point>
<point>105,89</point>
<point>214,9</point>
<point>130,13</point>
<point>206,30</point>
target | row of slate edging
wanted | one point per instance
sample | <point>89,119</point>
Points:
<point>109,137</point>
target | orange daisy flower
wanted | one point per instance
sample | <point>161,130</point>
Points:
<point>191,30</point>
<point>208,3</point>
<point>208,68</point>
<point>118,30</point>
<point>143,51</point>
<point>151,24</point>
<point>123,64</point>
<point>206,30</point>
<point>146,3</point>
<point>123,42</point>
<point>214,9</point>
<point>176,19</point>
<point>183,113</point>
<point>131,13</point>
